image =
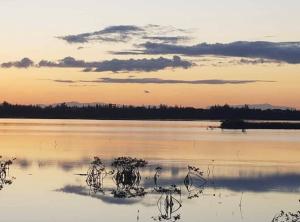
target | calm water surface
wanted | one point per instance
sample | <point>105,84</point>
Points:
<point>247,177</point>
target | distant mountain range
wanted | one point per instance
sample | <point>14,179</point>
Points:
<point>265,106</point>
<point>72,104</point>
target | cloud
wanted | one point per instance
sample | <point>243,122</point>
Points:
<point>125,33</point>
<point>288,52</point>
<point>67,62</point>
<point>120,33</point>
<point>142,64</point>
<point>23,63</point>
<point>161,81</point>
<point>117,65</point>
<point>64,81</point>
<point>169,81</point>
<point>166,39</point>
<point>256,61</point>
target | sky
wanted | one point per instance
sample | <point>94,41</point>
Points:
<point>191,53</point>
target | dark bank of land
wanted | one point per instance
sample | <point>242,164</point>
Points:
<point>125,112</point>
<point>243,125</point>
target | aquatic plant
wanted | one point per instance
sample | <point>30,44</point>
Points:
<point>168,205</point>
<point>4,171</point>
<point>194,182</point>
<point>287,217</point>
<point>128,162</point>
<point>95,175</point>
<point>127,177</point>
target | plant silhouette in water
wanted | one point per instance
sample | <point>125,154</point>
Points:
<point>194,182</point>
<point>127,177</point>
<point>167,204</point>
<point>4,171</point>
<point>96,174</point>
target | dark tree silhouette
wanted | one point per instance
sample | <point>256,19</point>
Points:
<point>162,112</point>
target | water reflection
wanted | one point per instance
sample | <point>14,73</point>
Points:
<point>4,172</point>
<point>127,177</point>
<point>52,155</point>
<point>95,175</point>
<point>245,178</point>
<point>128,182</point>
<point>287,217</point>
<point>168,205</point>
<point>194,182</point>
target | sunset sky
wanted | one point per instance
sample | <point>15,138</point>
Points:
<point>192,53</point>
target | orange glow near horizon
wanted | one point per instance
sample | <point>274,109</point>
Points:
<point>35,86</point>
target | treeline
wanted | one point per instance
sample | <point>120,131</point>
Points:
<point>162,112</point>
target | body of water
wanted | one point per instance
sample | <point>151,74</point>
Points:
<point>190,173</point>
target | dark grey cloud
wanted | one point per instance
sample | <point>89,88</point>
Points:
<point>170,81</point>
<point>288,52</point>
<point>120,33</point>
<point>117,65</point>
<point>64,81</point>
<point>166,39</point>
<point>256,61</point>
<point>147,65</point>
<point>125,33</point>
<point>23,63</point>
<point>161,81</point>
<point>121,29</point>
<point>67,62</point>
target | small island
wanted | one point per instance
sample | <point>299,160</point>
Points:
<point>243,125</point>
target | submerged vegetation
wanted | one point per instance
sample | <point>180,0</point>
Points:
<point>127,177</point>
<point>4,172</point>
<point>129,183</point>
<point>168,205</point>
<point>95,175</point>
<point>162,112</point>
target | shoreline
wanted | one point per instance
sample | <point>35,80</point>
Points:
<point>155,119</point>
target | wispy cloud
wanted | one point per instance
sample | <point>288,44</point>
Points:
<point>121,33</point>
<point>166,39</point>
<point>125,33</point>
<point>172,81</point>
<point>161,81</point>
<point>256,61</point>
<point>23,63</point>
<point>288,52</point>
<point>64,81</point>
